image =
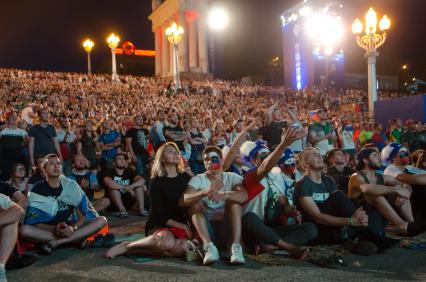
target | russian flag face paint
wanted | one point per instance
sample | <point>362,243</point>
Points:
<point>214,160</point>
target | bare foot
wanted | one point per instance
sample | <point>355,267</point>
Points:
<point>300,254</point>
<point>117,250</point>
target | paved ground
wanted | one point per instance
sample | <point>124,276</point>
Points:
<point>76,265</point>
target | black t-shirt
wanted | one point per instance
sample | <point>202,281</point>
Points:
<point>35,178</point>
<point>7,189</point>
<point>43,139</point>
<point>64,210</point>
<point>273,133</point>
<point>126,178</point>
<point>177,130</point>
<point>139,140</point>
<point>341,177</point>
<point>319,193</point>
<point>165,193</point>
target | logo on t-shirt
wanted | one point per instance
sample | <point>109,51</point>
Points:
<point>320,197</point>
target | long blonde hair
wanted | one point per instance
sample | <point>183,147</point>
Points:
<point>158,169</point>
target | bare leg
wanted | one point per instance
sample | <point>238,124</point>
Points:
<point>199,221</point>
<point>102,204</point>
<point>140,197</point>
<point>234,212</point>
<point>156,244</point>
<point>383,206</point>
<point>116,199</point>
<point>35,234</point>
<point>406,211</point>
<point>8,237</point>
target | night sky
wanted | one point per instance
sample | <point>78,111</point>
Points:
<point>47,34</point>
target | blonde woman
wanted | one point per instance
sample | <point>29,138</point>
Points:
<point>167,228</point>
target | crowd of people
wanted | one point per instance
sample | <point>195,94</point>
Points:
<point>215,164</point>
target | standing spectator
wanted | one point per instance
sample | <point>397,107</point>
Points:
<point>43,139</point>
<point>108,143</point>
<point>379,138</point>
<point>197,142</point>
<point>175,133</point>
<point>274,126</point>
<point>86,144</point>
<point>321,134</point>
<point>396,131</point>
<point>157,130</point>
<point>66,140</point>
<point>137,139</point>
<point>410,137</point>
<point>346,136</point>
<point>366,134</point>
<point>12,143</point>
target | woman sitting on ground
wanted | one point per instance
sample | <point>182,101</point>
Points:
<point>18,178</point>
<point>167,228</point>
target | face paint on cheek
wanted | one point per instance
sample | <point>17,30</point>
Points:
<point>215,160</point>
<point>405,160</point>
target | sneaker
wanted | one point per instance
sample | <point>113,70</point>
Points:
<point>416,228</point>
<point>20,261</point>
<point>237,256</point>
<point>211,255</point>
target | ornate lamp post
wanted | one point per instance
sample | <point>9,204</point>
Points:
<point>112,41</point>
<point>370,42</point>
<point>174,35</point>
<point>88,46</point>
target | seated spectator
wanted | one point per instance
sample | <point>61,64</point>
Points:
<point>214,200</point>
<point>318,199</point>
<point>18,178</point>
<point>262,226</point>
<point>398,160</point>
<point>382,196</point>
<point>290,174</point>
<point>10,214</point>
<point>12,142</point>
<point>338,169</point>
<point>87,181</point>
<point>125,187</point>
<point>50,219</point>
<point>166,231</point>
<point>37,171</point>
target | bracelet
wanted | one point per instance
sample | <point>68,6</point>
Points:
<point>351,223</point>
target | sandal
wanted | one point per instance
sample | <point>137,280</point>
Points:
<point>124,214</point>
<point>45,249</point>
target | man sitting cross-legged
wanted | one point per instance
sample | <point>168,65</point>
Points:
<point>51,209</point>
<point>214,198</point>
<point>382,196</point>
<point>320,202</point>
<point>10,213</point>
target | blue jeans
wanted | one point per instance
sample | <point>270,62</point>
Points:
<point>141,167</point>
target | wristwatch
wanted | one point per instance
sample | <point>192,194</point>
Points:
<point>75,227</point>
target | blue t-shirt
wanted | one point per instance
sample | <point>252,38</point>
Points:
<point>108,138</point>
<point>64,210</point>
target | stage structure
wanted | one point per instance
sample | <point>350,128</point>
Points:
<point>312,33</point>
<point>193,48</point>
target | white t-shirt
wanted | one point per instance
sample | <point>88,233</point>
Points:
<point>394,171</point>
<point>61,135</point>
<point>215,210</point>
<point>5,202</point>
<point>257,204</point>
<point>347,139</point>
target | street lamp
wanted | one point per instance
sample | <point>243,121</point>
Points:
<point>112,41</point>
<point>370,42</point>
<point>398,74</point>
<point>88,46</point>
<point>174,35</point>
